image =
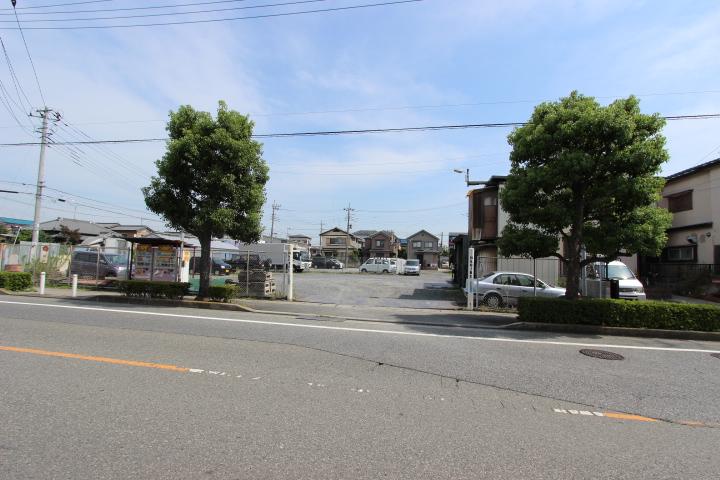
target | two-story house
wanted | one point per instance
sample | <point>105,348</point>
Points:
<point>486,221</point>
<point>423,246</point>
<point>382,244</point>
<point>336,242</point>
<point>693,197</point>
<point>302,241</point>
<point>363,236</point>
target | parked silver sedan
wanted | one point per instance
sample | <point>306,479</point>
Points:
<point>497,289</point>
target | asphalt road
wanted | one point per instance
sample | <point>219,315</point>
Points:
<point>107,391</point>
<point>430,289</point>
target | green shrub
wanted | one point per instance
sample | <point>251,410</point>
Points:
<point>222,293</point>
<point>621,313</point>
<point>15,281</point>
<point>153,289</point>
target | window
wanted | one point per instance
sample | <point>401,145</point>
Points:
<point>504,279</point>
<point>379,243</point>
<point>428,244</point>
<point>680,202</point>
<point>417,244</point>
<point>337,241</point>
<point>680,254</point>
<point>525,280</point>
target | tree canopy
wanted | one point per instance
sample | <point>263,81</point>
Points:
<point>586,174</point>
<point>211,180</point>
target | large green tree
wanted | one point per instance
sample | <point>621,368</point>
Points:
<point>586,174</point>
<point>211,180</point>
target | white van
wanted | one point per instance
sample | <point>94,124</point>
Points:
<point>378,265</point>
<point>630,286</point>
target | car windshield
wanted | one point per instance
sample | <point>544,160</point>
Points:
<point>619,272</point>
<point>412,263</point>
<point>487,275</point>
<point>116,259</point>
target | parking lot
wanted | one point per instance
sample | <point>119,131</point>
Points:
<point>431,289</point>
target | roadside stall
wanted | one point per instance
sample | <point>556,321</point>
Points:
<point>159,259</point>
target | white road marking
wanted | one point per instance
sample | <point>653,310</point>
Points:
<point>369,330</point>
<point>578,412</point>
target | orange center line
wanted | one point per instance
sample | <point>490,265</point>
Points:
<point>628,416</point>
<point>116,361</point>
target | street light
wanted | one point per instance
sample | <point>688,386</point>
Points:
<point>469,182</point>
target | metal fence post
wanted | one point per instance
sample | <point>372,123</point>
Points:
<point>469,287</point>
<point>291,272</point>
<point>97,266</point>
<point>247,274</point>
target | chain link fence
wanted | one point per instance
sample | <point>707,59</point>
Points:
<point>258,271</point>
<point>94,265</point>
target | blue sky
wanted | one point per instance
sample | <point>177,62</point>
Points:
<point>427,63</point>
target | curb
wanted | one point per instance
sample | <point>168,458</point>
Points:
<point>617,331</point>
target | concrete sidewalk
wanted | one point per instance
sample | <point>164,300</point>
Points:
<point>308,310</point>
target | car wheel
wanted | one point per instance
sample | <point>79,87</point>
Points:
<point>493,300</point>
<point>385,271</point>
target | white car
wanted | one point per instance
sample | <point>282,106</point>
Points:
<point>497,289</point>
<point>378,265</point>
<point>412,267</point>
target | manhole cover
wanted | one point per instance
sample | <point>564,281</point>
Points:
<point>716,355</point>
<point>602,354</point>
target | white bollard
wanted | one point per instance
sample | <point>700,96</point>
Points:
<point>42,283</point>
<point>74,285</point>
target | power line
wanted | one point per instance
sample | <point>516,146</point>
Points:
<point>124,9</point>
<point>168,14</point>
<point>129,209</point>
<point>402,107</point>
<point>352,132</point>
<point>59,4</point>
<point>37,80</point>
<point>216,20</point>
<point>414,209</point>
<point>16,82</point>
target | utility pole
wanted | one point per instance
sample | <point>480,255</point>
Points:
<point>275,207</point>
<point>320,237</point>
<point>44,113</point>
<point>347,240</point>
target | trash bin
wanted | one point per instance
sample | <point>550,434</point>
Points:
<point>614,288</point>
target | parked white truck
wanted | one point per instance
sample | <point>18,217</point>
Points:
<point>275,255</point>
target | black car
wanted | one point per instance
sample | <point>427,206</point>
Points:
<point>326,262</point>
<point>219,266</point>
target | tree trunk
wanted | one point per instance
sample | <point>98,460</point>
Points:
<point>572,289</point>
<point>205,266</point>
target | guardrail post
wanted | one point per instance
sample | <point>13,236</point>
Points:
<point>42,283</point>
<point>74,285</point>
